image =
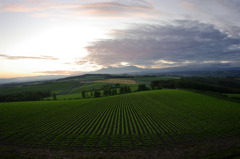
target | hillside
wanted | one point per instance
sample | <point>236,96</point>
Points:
<point>151,120</point>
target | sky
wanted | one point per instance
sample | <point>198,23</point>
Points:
<point>63,37</point>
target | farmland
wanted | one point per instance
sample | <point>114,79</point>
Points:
<point>144,120</point>
<point>120,81</point>
<point>233,95</point>
<point>91,86</point>
<point>55,86</point>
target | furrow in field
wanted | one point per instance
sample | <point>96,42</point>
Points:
<point>82,128</point>
<point>93,121</point>
<point>108,128</point>
<point>102,126</point>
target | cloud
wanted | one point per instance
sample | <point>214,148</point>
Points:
<point>177,43</point>
<point>189,5</point>
<point>27,57</point>
<point>222,13</point>
<point>29,7</point>
<point>81,62</point>
<point>105,5</point>
<point>231,5</point>
<point>60,72</point>
<point>17,8</point>
<point>104,8</point>
<point>115,8</point>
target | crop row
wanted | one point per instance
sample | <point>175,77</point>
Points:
<point>159,118</point>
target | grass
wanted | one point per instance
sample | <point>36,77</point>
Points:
<point>100,86</point>
<point>84,78</point>
<point>120,81</point>
<point>56,87</point>
<point>144,120</point>
<point>147,80</point>
<point>233,95</point>
<point>88,92</point>
<point>91,86</point>
<point>155,78</point>
<point>66,96</point>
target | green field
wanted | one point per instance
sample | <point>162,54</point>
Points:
<point>143,120</point>
<point>100,86</point>
<point>154,78</point>
<point>56,87</point>
<point>91,86</point>
<point>84,78</point>
<point>148,80</point>
<point>66,96</point>
<point>233,95</point>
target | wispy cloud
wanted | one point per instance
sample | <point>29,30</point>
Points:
<point>117,9</point>
<point>36,7</point>
<point>17,8</point>
<point>82,62</point>
<point>189,5</point>
<point>107,8</point>
<point>179,43</point>
<point>27,57</point>
<point>105,5</point>
<point>60,72</point>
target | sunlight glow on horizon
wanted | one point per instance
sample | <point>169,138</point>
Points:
<point>66,43</point>
<point>58,42</point>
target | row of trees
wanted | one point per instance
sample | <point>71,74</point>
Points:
<point>188,84</point>
<point>124,89</point>
<point>154,85</point>
<point>204,87</point>
<point>142,87</point>
<point>93,93</point>
<point>107,91</point>
<point>25,96</point>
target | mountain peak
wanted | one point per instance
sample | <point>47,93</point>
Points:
<point>119,70</point>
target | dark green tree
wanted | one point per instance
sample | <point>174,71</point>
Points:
<point>128,89</point>
<point>114,91</point>
<point>54,96</point>
<point>142,87</point>
<point>152,85</point>
<point>91,93</point>
<point>159,86</point>
<point>83,94</point>
<point>105,92</point>
<point>125,89</point>
<point>121,90</point>
<point>97,94</point>
<point>156,85</point>
<point>169,84</point>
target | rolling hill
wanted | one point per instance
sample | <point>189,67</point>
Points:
<point>150,120</point>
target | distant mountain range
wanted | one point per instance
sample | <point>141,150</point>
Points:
<point>178,70</point>
<point>196,70</point>
<point>119,70</point>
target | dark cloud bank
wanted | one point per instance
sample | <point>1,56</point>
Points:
<point>178,43</point>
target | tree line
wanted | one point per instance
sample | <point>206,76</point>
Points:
<point>25,96</point>
<point>187,84</point>
<point>107,91</point>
